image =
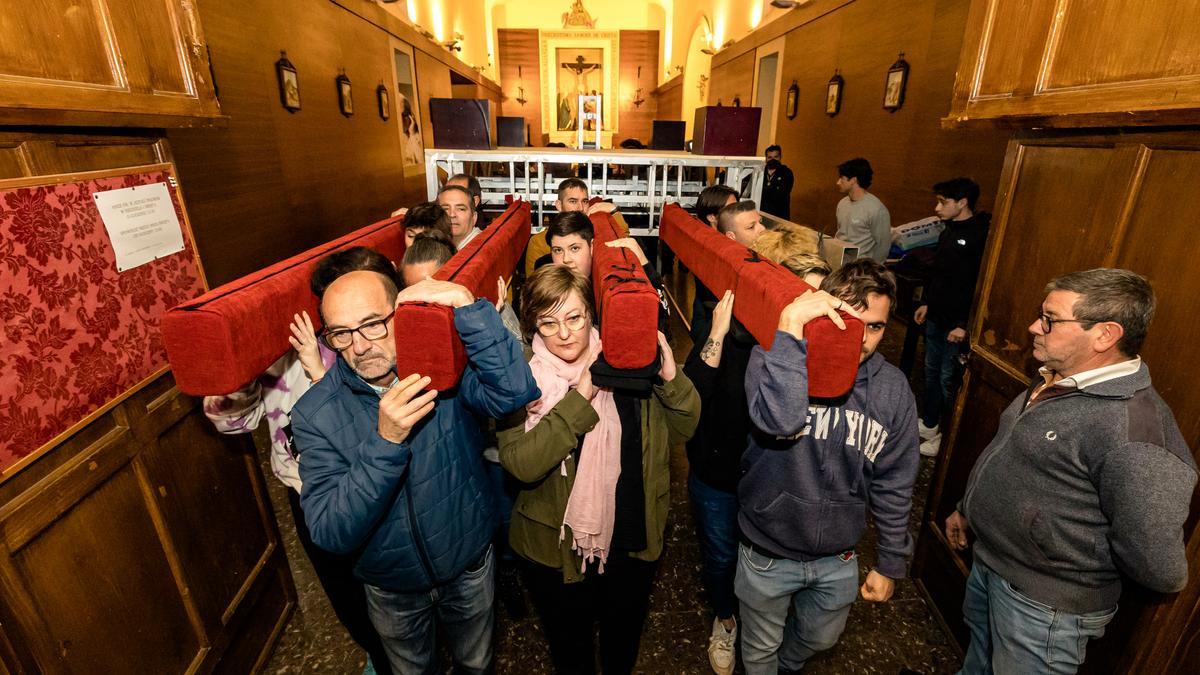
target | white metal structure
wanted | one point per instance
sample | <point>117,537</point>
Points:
<point>585,117</point>
<point>647,180</point>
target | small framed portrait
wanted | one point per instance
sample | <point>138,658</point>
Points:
<point>345,98</point>
<point>833,94</point>
<point>385,102</point>
<point>793,101</point>
<point>895,84</point>
<point>289,83</point>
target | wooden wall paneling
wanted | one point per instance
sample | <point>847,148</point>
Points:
<point>734,79</point>
<point>639,49</point>
<point>909,149</point>
<point>433,81</point>
<point>1060,63</point>
<point>518,48</point>
<point>670,99</point>
<point>274,183</point>
<point>129,60</point>
<point>1086,184</point>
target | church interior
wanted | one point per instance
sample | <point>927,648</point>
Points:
<point>249,140</point>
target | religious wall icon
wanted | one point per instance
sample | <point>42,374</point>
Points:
<point>385,102</point>
<point>345,100</point>
<point>895,84</point>
<point>833,94</point>
<point>578,17</point>
<point>289,83</point>
<point>793,100</point>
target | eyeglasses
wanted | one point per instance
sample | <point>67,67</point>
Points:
<point>371,330</point>
<point>550,327</point>
<point>1048,323</point>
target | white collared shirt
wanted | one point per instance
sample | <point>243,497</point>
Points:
<point>470,235</point>
<point>1094,376</point>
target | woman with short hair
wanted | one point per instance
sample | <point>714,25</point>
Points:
<point>594,464</point>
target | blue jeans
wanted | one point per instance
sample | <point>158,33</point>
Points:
<point>941,372</point>
<point>1011,633</point>
<point>716,524</point>
<point>820,593</point>
<point>464,608</point>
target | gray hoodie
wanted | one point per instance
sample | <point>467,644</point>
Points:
<point>1080,486</point>
<point>813,467</point>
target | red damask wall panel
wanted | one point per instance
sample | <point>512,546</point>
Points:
<point>78,335</point>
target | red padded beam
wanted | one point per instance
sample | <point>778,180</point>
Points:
<point>230,335</point>
<point>763,289</point>
<point>426,340</point>
<point>625,299</point>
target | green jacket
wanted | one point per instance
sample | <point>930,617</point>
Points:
<point>668,416</point>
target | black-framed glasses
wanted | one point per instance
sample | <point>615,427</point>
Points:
<point>371,330</point>
<point>1048,324</point>
<point>550,327</point>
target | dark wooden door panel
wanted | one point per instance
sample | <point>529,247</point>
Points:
<point>1058,216</point>
<point>200,477</point>
<point>82,584</point>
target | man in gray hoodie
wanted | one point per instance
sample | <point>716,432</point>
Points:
<point>1087,479</point>
<point>812,469</point>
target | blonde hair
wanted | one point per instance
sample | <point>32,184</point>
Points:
<point>792,246</point>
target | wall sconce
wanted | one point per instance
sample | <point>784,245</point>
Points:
<point>713,51</point>
<point>638,99</point>
<point>521,88</point>
<point>454,44</point>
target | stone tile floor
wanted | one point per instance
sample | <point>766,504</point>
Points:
<point>879,638</point>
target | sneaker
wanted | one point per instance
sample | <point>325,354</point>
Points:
<point>927,433</point>
<point>930,447</point>
<point>720,648</point>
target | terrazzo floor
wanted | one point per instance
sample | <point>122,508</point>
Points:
<point>879,638</point>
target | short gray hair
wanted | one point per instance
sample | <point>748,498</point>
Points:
<point>1110,294</point>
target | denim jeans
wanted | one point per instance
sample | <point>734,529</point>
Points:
<point>820,593</point>
<point>405,621</point>
<point>941,372</point>
<point>716,524</point>
<point>1011,633</point>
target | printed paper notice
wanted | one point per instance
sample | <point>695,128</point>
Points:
<point>141,223</point>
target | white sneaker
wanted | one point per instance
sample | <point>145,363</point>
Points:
<point>927,433</point>
<point>720,648</point>
<point>930,447</point>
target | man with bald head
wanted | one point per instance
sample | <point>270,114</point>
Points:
<point>392,471</point>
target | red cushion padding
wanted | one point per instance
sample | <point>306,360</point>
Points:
<point>225,338</point>
<point>763,289</point>
<point>625,299</point>
<point>426,340</point>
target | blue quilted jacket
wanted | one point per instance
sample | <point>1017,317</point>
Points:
<point>416,513</point>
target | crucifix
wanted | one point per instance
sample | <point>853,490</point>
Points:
<point>581,69</point>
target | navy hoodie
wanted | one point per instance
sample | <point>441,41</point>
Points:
<point>814,467</point>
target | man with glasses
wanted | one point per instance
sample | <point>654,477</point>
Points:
<point>393,473</point>
<point>1087,479</point>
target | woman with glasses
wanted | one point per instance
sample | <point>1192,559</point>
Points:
<point>593,464</point>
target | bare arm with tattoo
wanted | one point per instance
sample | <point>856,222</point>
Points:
<point>722,315</point>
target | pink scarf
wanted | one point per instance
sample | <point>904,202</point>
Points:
<point>591,508</point>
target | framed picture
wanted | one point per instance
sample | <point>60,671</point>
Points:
<point>408,109</point>
<point>833,94</point>
<point>385,102</point>
<point>289,83</point>
<point>345,99</point>
<point>793,101</point>
<point>895,84</point>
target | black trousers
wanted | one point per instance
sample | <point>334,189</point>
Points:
<point>344,590</point>
<point>617,600</point>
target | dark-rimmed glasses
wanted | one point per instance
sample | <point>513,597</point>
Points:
<point>371,330</point>
<point>550,327</point>
<point>1048,324</point>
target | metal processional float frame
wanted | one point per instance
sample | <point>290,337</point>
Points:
<point>658,177</point>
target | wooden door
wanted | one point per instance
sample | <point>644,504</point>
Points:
<point>1080,62</point>
<point>1069,202</point>
<point>105,62</point>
